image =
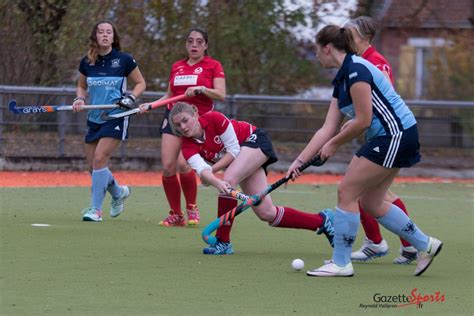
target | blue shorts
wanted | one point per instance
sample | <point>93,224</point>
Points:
<point>117,129</point>
<point>260,139</point>
<point>165,124</point>
<point>399,151</point>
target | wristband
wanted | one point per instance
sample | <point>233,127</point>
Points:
<point>79,98</point>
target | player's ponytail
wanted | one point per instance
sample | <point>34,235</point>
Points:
<point>339,37</point>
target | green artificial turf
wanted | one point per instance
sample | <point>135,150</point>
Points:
<point>131,266</point>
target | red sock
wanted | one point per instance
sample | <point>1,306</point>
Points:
<point>290,218</point>
<point>173,193</point>
<point>402,206</point>
<point>189,186</point>
<point>371,226</point>
<point>225,203</point>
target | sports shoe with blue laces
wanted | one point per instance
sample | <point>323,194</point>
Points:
<point>370,251</point>
<point>327,228</point>
<point>219,248</point>
<point>407,255</point>
<point>91,214</point>
<point>116,206</point>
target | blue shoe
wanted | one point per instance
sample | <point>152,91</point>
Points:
<point>219,248</point>
<point>327,228</point>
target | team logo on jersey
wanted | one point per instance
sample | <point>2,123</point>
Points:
<point>352,75</point>
<point>252,138</point>
<point>117,128</point>
<point>165,123</point>
<point>198,70</point>
<point>376,149</point>
<point>217,140</point>
<point>115,63</point>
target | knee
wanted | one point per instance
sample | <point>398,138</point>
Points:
<point>265,212</point>
<point>99,161</point>
<point>184,168</point>
<point>169,168</point>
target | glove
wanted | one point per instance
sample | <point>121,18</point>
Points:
<point>127,101</point>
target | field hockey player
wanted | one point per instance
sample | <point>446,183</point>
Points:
<point>244,151</point>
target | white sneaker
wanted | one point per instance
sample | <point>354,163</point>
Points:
<point>91,214</point>
<point>407,255</point>
<point>116,206</point>
<point>425,258</point>
<point>332,270</point>
<point>370,251</point>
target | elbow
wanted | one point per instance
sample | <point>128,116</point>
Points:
<point>219,95</point>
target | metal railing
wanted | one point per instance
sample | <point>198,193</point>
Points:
<point>443,124</point>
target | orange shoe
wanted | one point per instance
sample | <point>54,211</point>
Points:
<point>173,220</point>
<point>193,215</point>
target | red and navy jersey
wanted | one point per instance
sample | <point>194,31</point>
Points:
<point>183,76</point>
<point>214,125</point>
<point>377,59</point>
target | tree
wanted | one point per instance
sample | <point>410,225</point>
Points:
<point>41,45</point>
<point>45,40</point>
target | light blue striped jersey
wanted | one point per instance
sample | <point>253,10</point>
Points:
<point>106,80</point>
<point>390,113</point>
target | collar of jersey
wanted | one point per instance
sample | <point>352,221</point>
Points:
<point>342,71</point>
<point>110,54</point>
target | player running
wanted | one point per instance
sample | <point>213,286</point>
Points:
<point>244,151</point>
<point>103,75</point>
<point>365,95</point>
<point>363,30</point>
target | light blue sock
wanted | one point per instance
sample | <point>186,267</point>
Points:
<point>100,180</point>
<point>400,224</point>
<point>113,187</point>
<point>346,225</point>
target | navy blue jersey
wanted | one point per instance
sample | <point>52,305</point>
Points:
<point>106,80</point>
<point>391,115</point>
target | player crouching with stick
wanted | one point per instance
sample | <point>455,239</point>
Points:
<point>244,151</point>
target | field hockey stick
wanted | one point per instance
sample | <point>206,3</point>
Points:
<point>250,201</point>
<point>150,106</point>
<point>33,109</point>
